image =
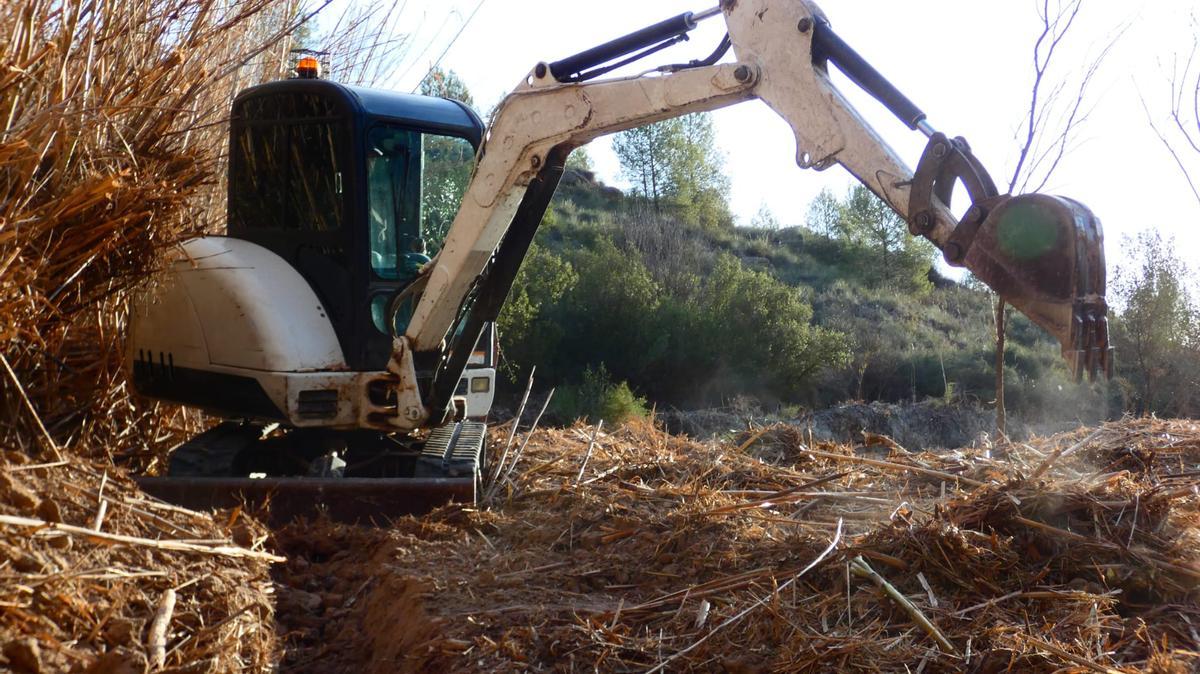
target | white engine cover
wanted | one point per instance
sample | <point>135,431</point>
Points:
<point>234,329</point>
<point>230,311</point>
<point>254,310</point>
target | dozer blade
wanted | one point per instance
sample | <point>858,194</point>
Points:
<point>373,484</point>
<point>364,500</point>
<point>1045,256</point>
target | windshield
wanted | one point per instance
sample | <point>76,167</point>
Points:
<point>415,182</point>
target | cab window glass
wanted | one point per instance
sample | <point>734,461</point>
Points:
<point>314,181</point>
<point>415,183</point>
<point>259,161</point>
<point>393,198</point>
<point>448,162</point>
<point>286,167</point>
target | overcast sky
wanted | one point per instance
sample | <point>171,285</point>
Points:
<point>968,64</point>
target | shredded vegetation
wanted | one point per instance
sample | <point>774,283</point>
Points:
<point>97,577</point>
<point>1078,552</point>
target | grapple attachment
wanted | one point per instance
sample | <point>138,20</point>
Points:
<point>1043,254</point>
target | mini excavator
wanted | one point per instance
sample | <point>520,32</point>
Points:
<point>344,326</point>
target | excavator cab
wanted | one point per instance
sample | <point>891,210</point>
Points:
<point>338,196</point>
<point>355,188</point>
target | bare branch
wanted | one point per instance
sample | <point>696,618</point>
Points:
<point>1181,82</point>
<point>1074,119</point>
<point>1178,86</point>
<point>1051,126</point>
<point>1167,144</point>
<point>1039,71</point>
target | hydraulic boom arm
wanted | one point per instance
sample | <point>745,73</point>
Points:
<point>1042,253</point>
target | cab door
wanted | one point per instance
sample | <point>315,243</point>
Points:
<point>287,192</point>
<point>414,184</point>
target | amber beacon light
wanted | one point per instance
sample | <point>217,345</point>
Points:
<point>308,68</point>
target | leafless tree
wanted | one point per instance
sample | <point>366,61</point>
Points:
<point>1058,107</point>
<point>1058,104</point>
<point>1183,129</point>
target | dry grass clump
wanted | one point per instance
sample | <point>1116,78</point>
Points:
<point>88,566</point>
<point>111,140</point>
<point>670,555</point>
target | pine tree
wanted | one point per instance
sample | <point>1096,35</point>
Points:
<point>645,154</point>
<point>446,84</point>
<point>675,164</point>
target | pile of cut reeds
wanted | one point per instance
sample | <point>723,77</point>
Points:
<point>649,552</point>
<point>111,143</point>
<point>96,577</point>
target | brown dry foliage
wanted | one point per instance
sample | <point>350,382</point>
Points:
<point>1098,559</point>
<point>81,603</point>
<point>111,149</point>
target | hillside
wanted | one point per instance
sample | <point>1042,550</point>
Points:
<point>784,318</point>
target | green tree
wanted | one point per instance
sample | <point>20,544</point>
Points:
<point>645,156</point>
<point>1157,334</point>
<point>304,36</point>
<point>446,84</point>
<point>447,163</point>
<point>676,163</point>
<point>751,333</point>
<point>580,160</point>
<point>611,315</point>
<point>699,187</point>
<point>884,253</point>
<point>597,397</point>
<point>528,325</point>
<point>824,213</point>
<point>764,219</point>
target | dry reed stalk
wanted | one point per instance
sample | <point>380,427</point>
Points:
<point>587,456</point>
<point>837,537</point>
<point>156,635</point>
<point>512,432</point>
<point>520,450</point>
<point>113,127</point>
<point>44,528</point>
<point>898,467</point>
<point>111,143</point>
<point>1064,452</point>
<point>103,587</point>
<point>859,567</point>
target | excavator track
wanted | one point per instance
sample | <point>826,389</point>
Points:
<point>219,469</point>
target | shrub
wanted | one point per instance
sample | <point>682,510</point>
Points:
<point>743,332</point>
<point>526,325</point>
<point>597,397</point>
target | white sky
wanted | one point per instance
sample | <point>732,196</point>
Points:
<point>968,64</point>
